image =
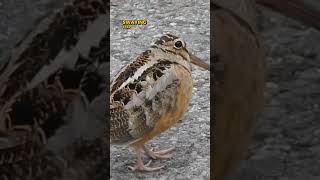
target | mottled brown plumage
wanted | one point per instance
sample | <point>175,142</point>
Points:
<point>149,95</point>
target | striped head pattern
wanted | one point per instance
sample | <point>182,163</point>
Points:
<point>168,49</point>
<point>172,45</point>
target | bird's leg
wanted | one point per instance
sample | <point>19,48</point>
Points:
<point>161,154</point>
<point>140,166</point>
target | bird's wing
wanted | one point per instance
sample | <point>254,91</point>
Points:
<point>146,99</point>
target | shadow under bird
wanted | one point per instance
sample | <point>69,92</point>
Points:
<point>149,95</point>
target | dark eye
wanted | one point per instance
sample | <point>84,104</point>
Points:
<point>178,44</point>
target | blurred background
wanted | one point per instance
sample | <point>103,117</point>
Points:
<point>286,143</point>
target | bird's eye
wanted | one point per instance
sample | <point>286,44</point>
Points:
<point>178,44</point>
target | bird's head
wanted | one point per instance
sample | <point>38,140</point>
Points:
<point>174,45</point>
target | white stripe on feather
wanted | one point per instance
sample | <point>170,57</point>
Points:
<point>138,73</point>
<point>152,88</point>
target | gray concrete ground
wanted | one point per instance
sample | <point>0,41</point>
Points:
<point>189,20</point>
<point>286,144</point>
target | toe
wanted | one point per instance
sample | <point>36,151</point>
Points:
<point>165,151</point>
<point>145,167</point>
<point>161,154</point>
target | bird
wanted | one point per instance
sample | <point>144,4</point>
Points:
<point>239,75</point>
<point>149,95</point>
<point>238,82</point>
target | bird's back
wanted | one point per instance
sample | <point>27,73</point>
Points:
<point>143,92</point>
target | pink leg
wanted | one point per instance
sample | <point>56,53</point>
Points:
<point>140,166</point>
<point>162,154</point>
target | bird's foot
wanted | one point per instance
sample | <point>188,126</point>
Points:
<point>161,154</point>
<point>139,166</point>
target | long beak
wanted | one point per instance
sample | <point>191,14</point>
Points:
<point>199,62</point>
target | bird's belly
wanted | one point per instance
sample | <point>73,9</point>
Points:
<point>184,93</point>
<point>182,96</point>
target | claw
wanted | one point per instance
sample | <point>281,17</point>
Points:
<point>139,166</point>
<point>162,154</point>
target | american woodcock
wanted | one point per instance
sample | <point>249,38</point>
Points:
<point>151,94</point>
<point>239,86</point>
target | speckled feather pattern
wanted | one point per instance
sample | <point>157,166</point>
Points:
<point>144,91</point>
